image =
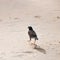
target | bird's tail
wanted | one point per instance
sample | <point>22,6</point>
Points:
<point>36,38</point>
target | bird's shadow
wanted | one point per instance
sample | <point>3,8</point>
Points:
<point>38,48</point>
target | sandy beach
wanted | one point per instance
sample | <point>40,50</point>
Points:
<point>16,16</point>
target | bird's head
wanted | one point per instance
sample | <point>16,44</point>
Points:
<point>30,28</point>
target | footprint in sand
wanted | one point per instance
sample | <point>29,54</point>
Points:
<point>16,18</point>
<point>37,16</point>
<point>58,17</point>
<point>59,41</point>
<point>0,20</point>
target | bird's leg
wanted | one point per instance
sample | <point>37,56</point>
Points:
<point>30,39</point>
<point>34,41</point>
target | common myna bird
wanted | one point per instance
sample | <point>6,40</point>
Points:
<point>32,33</point>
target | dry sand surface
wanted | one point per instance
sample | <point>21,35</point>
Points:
<point>16,16</point>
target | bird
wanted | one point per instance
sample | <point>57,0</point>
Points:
<point>32,33</point>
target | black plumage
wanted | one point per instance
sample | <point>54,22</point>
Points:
<point>32,33</point>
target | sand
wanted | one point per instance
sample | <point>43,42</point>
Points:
<point>16,16</point>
